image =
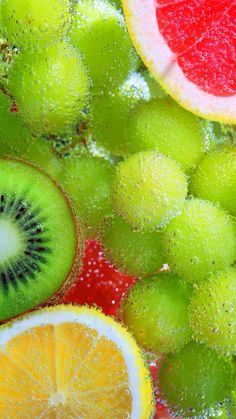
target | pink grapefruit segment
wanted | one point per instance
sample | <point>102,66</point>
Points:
<point>190,47</point>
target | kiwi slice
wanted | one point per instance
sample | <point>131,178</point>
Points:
<point>40,244</point>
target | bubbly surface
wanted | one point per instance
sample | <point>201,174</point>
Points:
<point>200,33</point>
<point>200,241</point>
<point>156,312</point>
<point>195,381</point>
<point>148,190</point>
<point>213,312</point>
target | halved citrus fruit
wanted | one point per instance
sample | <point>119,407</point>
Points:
<point>189,46</point>
<point>71,362</point>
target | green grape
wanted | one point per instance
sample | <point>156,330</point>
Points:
<point>148,190</point>
<point>156,312</point>
<point>156,91</point>
<point>133,253</point>
<point>162,125</point>
<point>213,312</point>
<point>110,113</point>
<point>98,31</point>
<point>200,241</point>
<point>87,180</point>
<point>195,381</point>
<point>34,24</point>
<point>214,179</point>
<point>50,88</point>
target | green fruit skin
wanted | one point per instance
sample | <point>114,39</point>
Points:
<point>138,254</point>
<point>155,312</point>
<point>200,241</point>
<point>110,113</point>
<point>87,180</point>
<point>50,88</point>
<point>213,312</point>
<point>98,31</point>
<point>214,179</point>
<point>164,126</point>
<point>35,24</point>
<point>148,190</point>
<point>194,381</point>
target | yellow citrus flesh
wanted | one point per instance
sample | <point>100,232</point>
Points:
<point>68,362</point>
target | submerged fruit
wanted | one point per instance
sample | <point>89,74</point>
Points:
<point>200,241</point>
<point>39,249</point>
<point>72,362</point>
<point>189,47</point>
<point>213,312</point>
<point>35,24</point>
<point>156,312</point>
<point>50,88</point>
<point>195,381</point>
<point>148,190</point>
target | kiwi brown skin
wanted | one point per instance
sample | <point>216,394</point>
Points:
<point>79,247</point>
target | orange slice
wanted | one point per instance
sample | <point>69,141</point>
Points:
<point>71,362</point>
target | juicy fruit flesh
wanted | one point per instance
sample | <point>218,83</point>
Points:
<point>42,263</point>
<point>40,375</point>
<point>72,362</point>
<point>200,35</point>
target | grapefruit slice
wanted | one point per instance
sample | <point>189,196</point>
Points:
<point>190,47</point>
<point>72,362</point>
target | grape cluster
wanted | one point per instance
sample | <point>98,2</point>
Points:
<point>151,181</point>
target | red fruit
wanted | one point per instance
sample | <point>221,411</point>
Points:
<point>100,283</point>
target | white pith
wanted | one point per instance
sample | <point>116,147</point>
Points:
<point>142,23</point>
<point>85,317</point>
<point>10,240</point>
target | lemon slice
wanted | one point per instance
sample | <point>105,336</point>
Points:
<point>72,362</point>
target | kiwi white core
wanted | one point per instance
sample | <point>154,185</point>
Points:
<point>10,240</point>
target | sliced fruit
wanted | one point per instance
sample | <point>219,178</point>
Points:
<point>40,245</point>
<point>72,362</point>
<point>189,47</point>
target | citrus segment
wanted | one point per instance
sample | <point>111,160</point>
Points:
<point>72,362</point>
<point>189,47</point>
